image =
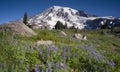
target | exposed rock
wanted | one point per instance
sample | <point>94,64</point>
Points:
<point>80,37</point>
<point>62,33</point>
<point>42,42</point>
<point>17,28</point>
<point>84,37</point>
<point>82,13</point>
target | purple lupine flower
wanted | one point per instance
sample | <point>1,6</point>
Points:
<point>57,65</point>
<point>52,63</point>
<point>93,53</point>
<point>96,55</point>
<point>36,68</point>
<point>99,57</point>
<point>63,56</point>
<point>53,48</point>
<point>79,46</point>
<point>111,63</point>
<point>88,47</point>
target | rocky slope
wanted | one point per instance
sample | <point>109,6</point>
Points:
<point>17,28</point>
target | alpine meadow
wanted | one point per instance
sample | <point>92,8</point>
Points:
<point>60,39</point>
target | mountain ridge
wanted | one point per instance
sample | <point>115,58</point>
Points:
<point>78,18</point>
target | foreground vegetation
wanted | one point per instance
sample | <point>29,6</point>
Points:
<point>100,53</point>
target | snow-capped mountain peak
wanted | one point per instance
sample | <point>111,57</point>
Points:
<point>58,13</point>
<point>67,15</point>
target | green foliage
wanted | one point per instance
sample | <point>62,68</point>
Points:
<point>59,25</point>
<point>65,27</point>
<point>104,26</point>
<point>76,30</point>
<point>19,54</point>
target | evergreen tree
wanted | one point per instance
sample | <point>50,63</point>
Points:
<point>59,25</point>
<point>25,18</point>
<point>105,26</point>
<point>65,26</point>
<point>76,30</point>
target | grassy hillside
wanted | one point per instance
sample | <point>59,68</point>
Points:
<point>99,53</point>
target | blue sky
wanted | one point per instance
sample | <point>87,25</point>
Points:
<point>14,9</point>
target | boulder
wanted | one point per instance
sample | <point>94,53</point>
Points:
<point>42,42</point>
<point>79,36</point>
<point>84,37</point>
<point>62,33</point>
<point>17,28</point>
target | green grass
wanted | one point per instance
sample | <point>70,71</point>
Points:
<point>18,54</point>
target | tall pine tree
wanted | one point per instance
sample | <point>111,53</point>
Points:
<point>25,18</point>
<point>59,25</point>
<point>65,26</point>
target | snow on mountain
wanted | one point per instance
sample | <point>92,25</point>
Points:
<point>78,18</point>
<point>63,14</point>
